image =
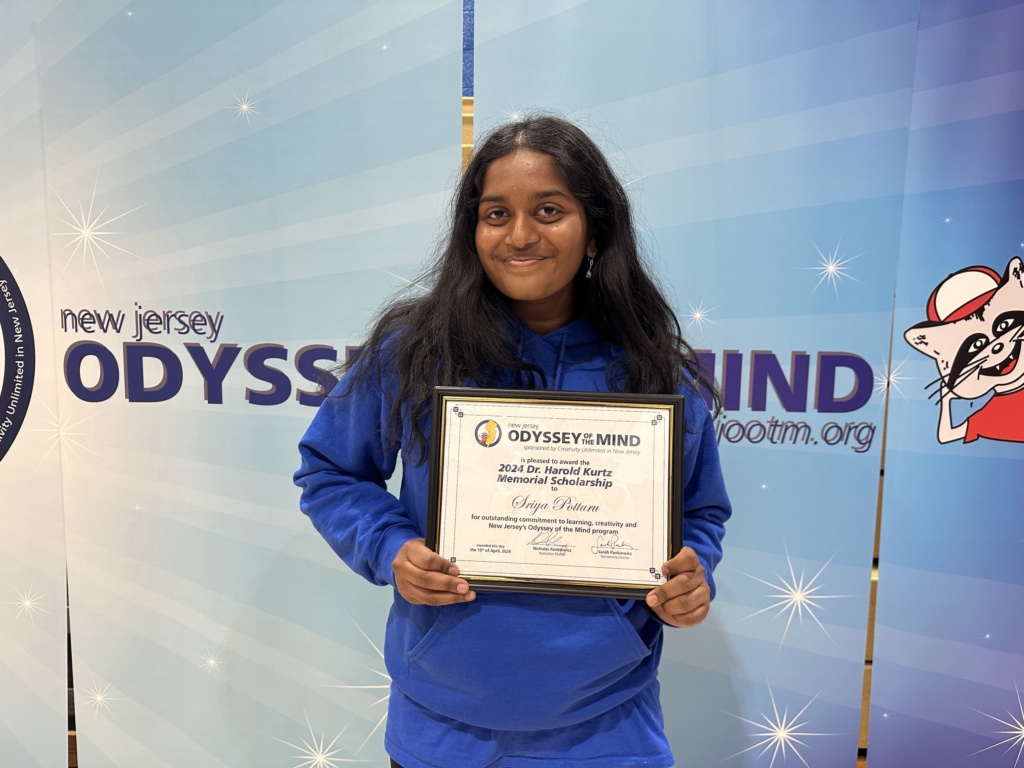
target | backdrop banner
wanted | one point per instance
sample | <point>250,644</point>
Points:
<point>202,205</point>
<point>765,153</point>
<point>232,191</point>
<point>34,429</point>
<point>949,647</point>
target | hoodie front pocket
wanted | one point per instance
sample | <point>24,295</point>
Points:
<point>522,662</point>
<point>445,618</point>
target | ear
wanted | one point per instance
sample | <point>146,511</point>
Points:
<point>591,248</point>
<point>920,338</point>
<point>1015,272</point>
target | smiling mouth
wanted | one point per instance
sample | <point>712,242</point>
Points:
<point>1007,366</point>
<point>517,261</point>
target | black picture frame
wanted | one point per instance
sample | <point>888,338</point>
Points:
<point>443,470</point>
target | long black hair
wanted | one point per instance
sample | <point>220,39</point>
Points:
<point>459,330</point>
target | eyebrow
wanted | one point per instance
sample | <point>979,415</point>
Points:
<point>537,196</point>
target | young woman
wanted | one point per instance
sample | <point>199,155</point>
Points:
<point>540,285</point>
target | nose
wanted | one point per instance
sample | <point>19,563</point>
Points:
<point>522,233</point>
<point>996,349</point>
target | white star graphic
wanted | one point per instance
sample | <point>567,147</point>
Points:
<point>416,286</point>
<point>317,753</point>
<point>1015,730</point>
<point>641,177</point>
<point>29,604</point>
<point>891,380</point>
<point>779,732</point>
<point>244,107</point>
<point>796,596</point>
<point>699,315</point>
<point>386,686</point>
<point>832,268</point>
<point>99,698</point>
<point>62,431</point>
<point>211,662</point>
<point>89,234</point>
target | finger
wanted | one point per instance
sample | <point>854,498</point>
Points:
<point>427,597</point>
<point>429,587</point>
<point>416,553</point>
<point>680,584</point>
<point>689,618</point>
<point>686,610</point>
<point>694,602</point>
<point>657,597</point>
<point>683,573</point>
<point>690,601</point>
<point>422,576</point>
<point>677,586</point>
<point>684,560</point>
<point>424,558</point>
<point>421,597</point>
<point>431,581</point>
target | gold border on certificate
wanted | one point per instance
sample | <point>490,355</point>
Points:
<point>556,492</point>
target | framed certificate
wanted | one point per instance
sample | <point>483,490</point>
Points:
<point>556,492</point>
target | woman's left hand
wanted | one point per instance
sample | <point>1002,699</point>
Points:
<point>685,598</point>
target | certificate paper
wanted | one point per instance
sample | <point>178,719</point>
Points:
<point>557,492</point>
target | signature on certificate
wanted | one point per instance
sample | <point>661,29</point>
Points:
<point>610,542</point>
<point>546,537</point>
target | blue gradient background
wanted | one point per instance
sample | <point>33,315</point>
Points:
<point>949,654</point>
<point>294,221</point>
<point>753,143</point>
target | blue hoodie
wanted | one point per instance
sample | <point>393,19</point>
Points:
<point>505,680</point>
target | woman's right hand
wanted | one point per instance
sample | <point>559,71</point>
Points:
<point>424,577</point>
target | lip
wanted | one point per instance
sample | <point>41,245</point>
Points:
<point>522,261</point>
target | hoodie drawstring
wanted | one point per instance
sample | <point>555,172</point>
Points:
<point>559,361</point>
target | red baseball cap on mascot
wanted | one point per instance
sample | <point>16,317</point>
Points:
<point>961,294</point>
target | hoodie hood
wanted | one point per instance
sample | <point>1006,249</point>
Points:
<point>570,356</point>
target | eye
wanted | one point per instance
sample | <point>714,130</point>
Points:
<point>548,211</point>
<point>964,359</point>
<point>1007,322</point>
<point>495,215</point>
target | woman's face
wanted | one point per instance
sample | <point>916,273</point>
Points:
<point>531,236</point>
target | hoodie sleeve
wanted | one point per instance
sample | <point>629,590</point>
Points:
<point>342,476</point>
<point>706,504</point>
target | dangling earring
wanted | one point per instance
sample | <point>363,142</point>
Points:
<point>590,267</point>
